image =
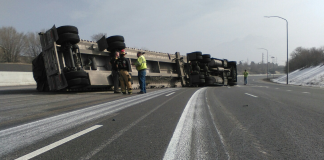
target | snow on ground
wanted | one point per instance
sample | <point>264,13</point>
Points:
<point>312,76</point>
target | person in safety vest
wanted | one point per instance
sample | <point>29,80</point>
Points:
<point>141,68</point>
<point>124,77</point>
<point>245,77</point>
<point>114,69</point>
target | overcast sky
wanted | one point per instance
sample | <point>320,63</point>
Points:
<point>231,29</point>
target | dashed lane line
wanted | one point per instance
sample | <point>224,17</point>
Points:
<point>170,94</point>
<point>58,143</point>
<point>121,132</point>
<point>23,135</point>
<point>251,95</point>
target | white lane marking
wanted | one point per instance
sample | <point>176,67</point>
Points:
<point>306,92</point>
<point>121,132</point>
<point>251,95</point>
<point>170,94</point>
<point>288,90</point>
<point>58,143</point>
<point>26,134</point>
<point>182,146</point>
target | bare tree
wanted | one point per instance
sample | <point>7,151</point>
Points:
<point>32,45</point>
<point>13,42</point>
<point>96,37</point>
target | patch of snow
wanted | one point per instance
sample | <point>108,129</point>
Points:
<point>311,76</point>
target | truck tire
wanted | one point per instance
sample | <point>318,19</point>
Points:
<point>194,73</point>
<point>198,53</point>
<point>67,29</point>
<point>210,80</point>
<point>116,46</point>
<point>116,38</point>
<point>201,81</point>
<point>199,58</point>
<point>206,55</point>
<point>68,37</point>
<point>206,60</point>
<point>78,82</point>
<point>75,74</point>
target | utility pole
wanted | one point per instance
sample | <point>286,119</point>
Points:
<point>262,58</point>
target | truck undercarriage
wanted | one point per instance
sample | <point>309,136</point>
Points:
<point>68,63</point>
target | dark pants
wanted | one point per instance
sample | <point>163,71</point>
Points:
<point>245,80</point>
<point>141,80</point>
<point>115,75</point>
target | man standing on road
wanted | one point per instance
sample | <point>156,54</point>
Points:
<point>141,68</point>
<point>245,77</point>
<point>124,77</point>
<point>114,69</point>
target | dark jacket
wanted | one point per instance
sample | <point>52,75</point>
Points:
<point>123,64</point>
<point>113,63</point>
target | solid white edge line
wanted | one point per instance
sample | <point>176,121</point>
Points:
<point>251,95</point>
<point>173,144</point>
<point>58,143</point>
<point>170,94</point>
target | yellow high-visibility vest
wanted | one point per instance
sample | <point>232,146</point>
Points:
<point>140,63</point>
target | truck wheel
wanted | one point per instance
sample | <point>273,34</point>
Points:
<point>199,58</point>
<point>195,73</point>
<point>117,38</point>
<point>198,53</point>
<point>206,60</point>
<point>75,74</point>
<point>210,80</point>
<point>67,29</point>
<point>78,82</point>
<point>68,37</point>
<point>206,55</point>
<point>116,46</point>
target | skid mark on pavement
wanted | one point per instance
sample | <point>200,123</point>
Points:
<point>121,132</point>
<point>256,143</point>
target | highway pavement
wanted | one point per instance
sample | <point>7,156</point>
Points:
<point>260,120</point>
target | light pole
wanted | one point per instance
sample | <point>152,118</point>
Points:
<point>273,66</point>
<point>267,61</point>
<point>287,42</point>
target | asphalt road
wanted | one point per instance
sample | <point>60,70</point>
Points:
<point>261,120</point>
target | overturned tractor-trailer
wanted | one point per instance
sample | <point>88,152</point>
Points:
<point>68,63</point>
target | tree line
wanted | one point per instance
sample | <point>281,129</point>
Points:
<point>18,46</point>
<point>259,68</point>
<point>305,57</point>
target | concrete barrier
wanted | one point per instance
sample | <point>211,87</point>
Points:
<point>16,78</point>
